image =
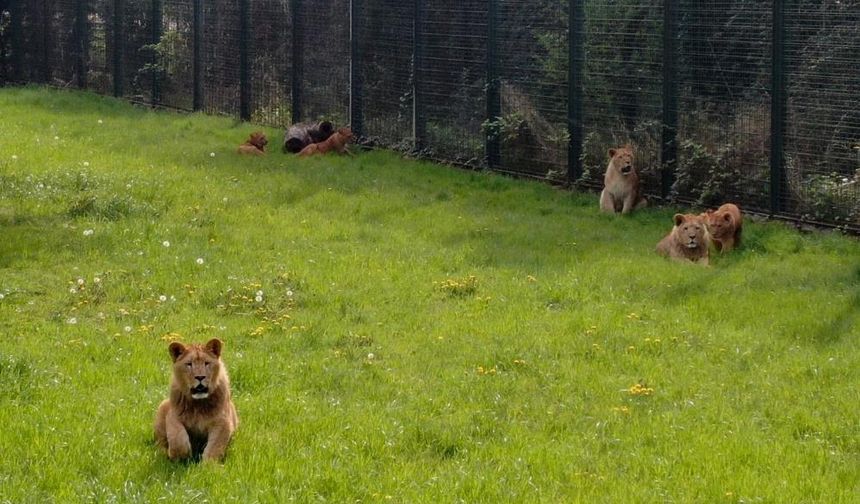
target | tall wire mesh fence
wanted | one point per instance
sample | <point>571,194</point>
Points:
<point>751,101</point>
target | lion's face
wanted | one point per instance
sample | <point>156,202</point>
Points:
<point>197,368</point>
<point>346,133</point>
<point>621,159</point>
<point>258,139</point>
<point>689,230</point>
<point>719,223</point>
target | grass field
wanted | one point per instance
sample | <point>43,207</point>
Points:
<point>425,334</point>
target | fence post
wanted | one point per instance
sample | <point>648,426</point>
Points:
<point>244,61</point>
<point>419,125</point>
<point>297,60</point>
<point>494,105</point>
<point>157,63</point>
<point>46,41</point>
<point>669,148</point>
<point>197,49</point>
<point>82,43</point>
<point>356,105</point>
<point>118,15</point>
<point>17,74</point>
<point>576,65</point>
<point>777,109</point>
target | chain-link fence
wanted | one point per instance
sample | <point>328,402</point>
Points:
<point>749,101</point>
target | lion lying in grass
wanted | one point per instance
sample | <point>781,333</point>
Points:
<point>199,414</point>
<point>688,240</point>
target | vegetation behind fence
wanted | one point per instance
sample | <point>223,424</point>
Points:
<point>743,100</point>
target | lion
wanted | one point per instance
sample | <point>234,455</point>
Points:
<point>199,414</point>
<point>688,240</point>
<point>621,192</point>
<point>255,144</point>
<point>300,135</point>
<point>725,225</point>
<point>337,142</point>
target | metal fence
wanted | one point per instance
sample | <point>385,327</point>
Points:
<point>724,100</point>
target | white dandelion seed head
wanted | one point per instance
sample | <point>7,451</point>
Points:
<point>289,293</point>
<point>224,199</point>
<point>88,232</point>
<point>370,356</point>
<point>200,260</point>
<point>127,328</point>
<point>165,243</point>
<point>101,122</point>
<point>72,320</point>
<point>259,293</point>
<point>97,280</point>
<point>56,138</point>
<point>80,281</point>
<point>14,157</point>
<point>211,154</point>
<point>86,163</point>
<point>258,299</point>
<point>162,298</point>
<point>73,291</point>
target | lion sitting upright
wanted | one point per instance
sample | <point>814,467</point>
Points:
<point>688,240</point>
<point>725,225</point>
<point>199,414</point>
<point>621,192</point>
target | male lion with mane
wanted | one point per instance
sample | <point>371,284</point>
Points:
<point>199,414</point>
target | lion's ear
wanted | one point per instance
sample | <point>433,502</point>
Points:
<point>678,219</point>
<point>214,346</point>
<point>176,350</point>
<point>612,153</point>
<point>727,217</point>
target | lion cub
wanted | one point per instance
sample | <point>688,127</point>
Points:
<point>621,183</point>
<point>725,225</point>
<point>337,142</point>
<point>255,145</point>
<point>688,240</point>
<point>199,414</point>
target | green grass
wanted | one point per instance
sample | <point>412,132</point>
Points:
<point>512,386</point>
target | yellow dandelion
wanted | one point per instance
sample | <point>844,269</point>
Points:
<point>171,336</point>
<point>639,389</point>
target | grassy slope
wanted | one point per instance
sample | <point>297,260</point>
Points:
<point>753,362</point>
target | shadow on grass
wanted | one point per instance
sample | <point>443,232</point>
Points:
<point>162,465</point>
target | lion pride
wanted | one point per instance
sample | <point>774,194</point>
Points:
<point>199,414</point>
<point>621,192</point>
<point>688,240</point>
